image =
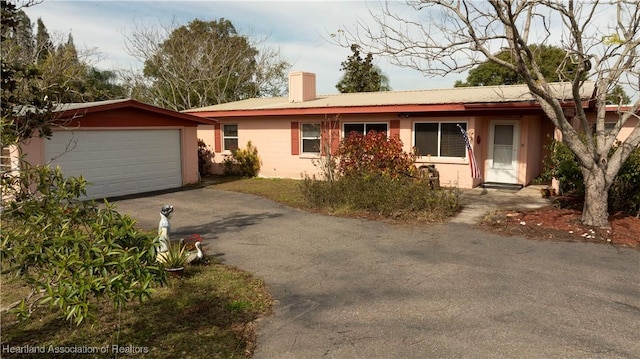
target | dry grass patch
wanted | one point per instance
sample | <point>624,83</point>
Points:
<point>281,190</point>
<point>208,313</point>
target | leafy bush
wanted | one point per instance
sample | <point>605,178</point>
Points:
<point>376,176</point>
<point>624,194</point>
<point>374,153</point>
<point>562,165</point>
<point>205,157</point>
<point>243,162</point>
<point>402,197</point>
<point>68,251</point>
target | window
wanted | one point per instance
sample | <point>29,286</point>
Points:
<point>609,126</point>
<point>230,137</point>
<point>440,139</point>
<point>364,128</point>
<point>5,160</point>
<point>310,137</point>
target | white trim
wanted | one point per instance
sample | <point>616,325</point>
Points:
<point>302,138</point>
<point>236,137</point>
<point>492,175</point>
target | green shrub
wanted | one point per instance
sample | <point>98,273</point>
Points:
<point>562,165</point>
<point>379,194</point>
<point>205,157</point>
<point>624,194</point>
<point>243,162</point>
<point>69,251</point>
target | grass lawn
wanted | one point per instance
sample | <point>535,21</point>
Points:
<point>285,191</point>
<point>207,313</point>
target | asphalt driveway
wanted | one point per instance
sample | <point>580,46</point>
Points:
<point>350,288</point>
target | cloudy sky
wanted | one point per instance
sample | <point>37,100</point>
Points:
<point>299,29</point>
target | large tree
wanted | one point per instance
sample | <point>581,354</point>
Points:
<point>361,75</point>
<point>599,39</point>
<point>553,65</point>
<point>203,63</point>
<point>66,250</point>
<point>44,46</point>
<point>551,59</point>
<point>54,66</point>
<point>19,75</point>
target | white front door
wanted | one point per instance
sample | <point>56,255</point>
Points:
<point>502,163</point>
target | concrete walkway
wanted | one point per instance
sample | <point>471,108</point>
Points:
<point>478,202</point>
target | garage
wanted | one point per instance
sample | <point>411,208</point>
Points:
<point>119,162</point>
<point>122,147</point>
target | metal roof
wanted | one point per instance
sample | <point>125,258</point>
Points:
<point>458,95</point>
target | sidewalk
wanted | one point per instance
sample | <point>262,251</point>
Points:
<point>477,202</point>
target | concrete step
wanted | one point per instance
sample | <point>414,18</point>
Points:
<point>498,185</point>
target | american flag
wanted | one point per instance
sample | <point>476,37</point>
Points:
<point>475,171</point>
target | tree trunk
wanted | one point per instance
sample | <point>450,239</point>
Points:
<point>595,212</point>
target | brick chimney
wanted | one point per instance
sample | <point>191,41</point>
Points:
<point>302,86</point>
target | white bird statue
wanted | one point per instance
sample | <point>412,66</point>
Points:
<point>193,256</point>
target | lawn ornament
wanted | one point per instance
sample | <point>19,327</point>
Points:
<point>163,228</point>
<point>195,256</point>
<point>192,245</point>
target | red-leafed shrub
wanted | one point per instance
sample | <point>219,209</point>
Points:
<point>375,175</point>
<point>374,153</point>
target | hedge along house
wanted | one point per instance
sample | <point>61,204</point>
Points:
<point>121,147</point>
<point>506,127</point>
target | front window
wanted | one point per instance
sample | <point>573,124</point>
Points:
<point>230,137</point>
<point>440,139</point>
<point>364,128</point>
<point>310,138</point>
<point>5,160</point>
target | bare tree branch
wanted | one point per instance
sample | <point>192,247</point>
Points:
<point>441,37</point>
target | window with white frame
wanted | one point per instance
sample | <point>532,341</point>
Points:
<point>310,137</point>
<point>439,139</point>
<point>5,160</point>
<point>364,128</point>
<point>230,137</point>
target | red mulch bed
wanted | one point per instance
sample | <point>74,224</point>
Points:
<point>563,224</point>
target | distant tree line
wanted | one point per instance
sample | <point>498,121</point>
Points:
<point>53,65</point>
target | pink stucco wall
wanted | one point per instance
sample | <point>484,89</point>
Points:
<point>626,131</point>
<point>531,146</point>
<point>610,117</point>
<point>272,137</point>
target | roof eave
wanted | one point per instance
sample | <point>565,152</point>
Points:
<point>370,109</point>
<point>131,103</point>
<point>331,110</point>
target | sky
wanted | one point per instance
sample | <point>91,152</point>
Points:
<point>300,30</point>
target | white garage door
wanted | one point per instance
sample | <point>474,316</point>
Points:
<point>119,162</point>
